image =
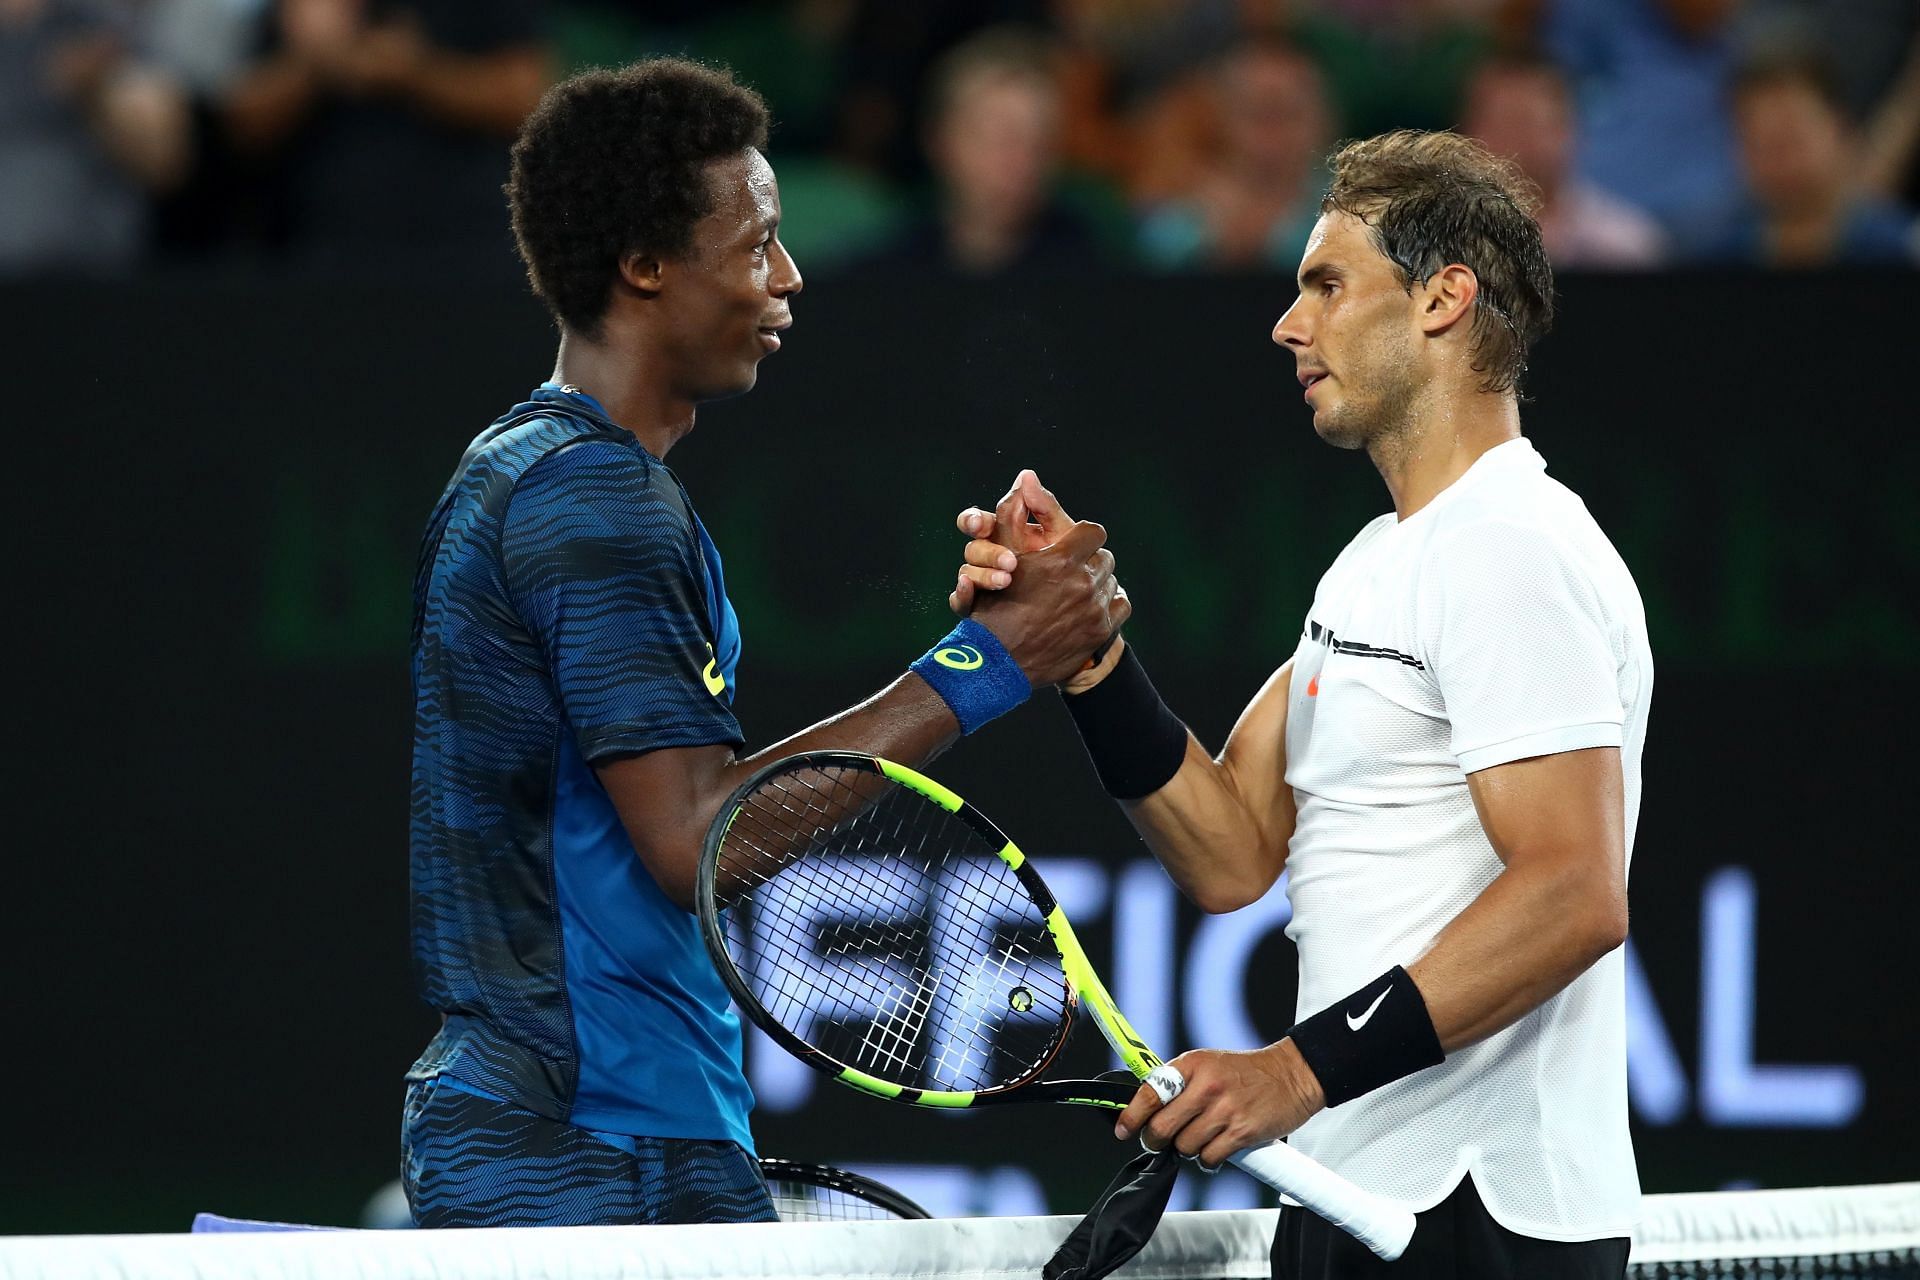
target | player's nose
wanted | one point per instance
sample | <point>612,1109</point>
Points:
<point>1290,330</point>
<point>786,279</point>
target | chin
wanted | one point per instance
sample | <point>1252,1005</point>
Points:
<point>737,386</point>
<point>1340,430</point>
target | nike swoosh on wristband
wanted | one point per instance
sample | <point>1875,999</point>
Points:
<point>1354,1024</point>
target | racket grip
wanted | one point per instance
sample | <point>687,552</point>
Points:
<point>1380,1225</point>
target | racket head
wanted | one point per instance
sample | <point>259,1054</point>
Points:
<point>821,1193</point>
<point>883,931</point>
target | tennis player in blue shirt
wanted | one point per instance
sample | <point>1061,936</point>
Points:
<point>573,672</point>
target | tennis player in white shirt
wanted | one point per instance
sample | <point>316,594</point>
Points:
<point>1447,768</point>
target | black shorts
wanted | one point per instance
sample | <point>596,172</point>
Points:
<point>1457,1239</point>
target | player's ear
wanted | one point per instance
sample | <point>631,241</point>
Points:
<point>1447,298</point>
<point>642,272</point>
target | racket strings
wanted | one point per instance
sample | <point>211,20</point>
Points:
<point>774,831</point>
<point>888,934</point>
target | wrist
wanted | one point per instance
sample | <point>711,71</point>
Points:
<point>1299,1079</point>
<point>974,675</point>
<point>1075,685</point>
<point>1136,743</point>
<point>1379,1034</point>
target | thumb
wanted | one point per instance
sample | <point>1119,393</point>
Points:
<point>1010,517</point>
<point>1044,507</point>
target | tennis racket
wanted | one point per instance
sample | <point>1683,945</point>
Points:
<point>887,933</point>
<point>820,1193</point>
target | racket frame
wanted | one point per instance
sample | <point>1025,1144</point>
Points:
<point>826,1177</point>
<point>1084,987</point>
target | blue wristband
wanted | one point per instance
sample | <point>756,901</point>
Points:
<point>974,675</point>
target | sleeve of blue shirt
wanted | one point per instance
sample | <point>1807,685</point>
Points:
<point>602,563</point>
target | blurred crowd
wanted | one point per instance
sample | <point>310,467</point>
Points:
<point>971,136</point>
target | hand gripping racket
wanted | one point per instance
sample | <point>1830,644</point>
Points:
<point>886,932</point>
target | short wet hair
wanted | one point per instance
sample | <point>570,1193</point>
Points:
<point>1433,199</point>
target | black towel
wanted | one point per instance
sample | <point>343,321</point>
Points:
<point>1121,1221</point>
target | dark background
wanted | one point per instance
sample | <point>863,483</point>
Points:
<point>214,499</point>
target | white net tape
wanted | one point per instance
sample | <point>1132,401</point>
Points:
<point>1220,1245</point>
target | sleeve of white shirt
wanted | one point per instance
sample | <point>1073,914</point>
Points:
<point>1521,645</point>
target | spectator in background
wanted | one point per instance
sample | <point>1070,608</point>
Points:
<point>1254,202</point>
<point>1800,153</point>
<point>1873,48</point>
<point>1131,99</point>
<point>88,132</point>
<point>1863,41</point>
<point>1651,78</point>
<point>1521,108</point>
<point>1392,64</point>
<point>389,122</point>
<point>887,61</point>
<point>992,139</point>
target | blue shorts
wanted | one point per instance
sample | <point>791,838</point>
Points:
<point>469,1160</point>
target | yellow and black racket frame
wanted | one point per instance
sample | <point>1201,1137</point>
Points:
<point>1084,987</point>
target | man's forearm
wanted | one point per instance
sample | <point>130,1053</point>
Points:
<point>1204,835</point>
<point>906,721</point>
<point>491,93</point>
<point>1220,827</point>
<point>270,103</point>
<point>1531,932</point>
<point>668,799</point>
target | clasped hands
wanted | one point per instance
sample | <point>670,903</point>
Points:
<point>1066,602</point>
<point>1233,1099</point>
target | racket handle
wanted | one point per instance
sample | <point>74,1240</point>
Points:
<point>1379,1224</point>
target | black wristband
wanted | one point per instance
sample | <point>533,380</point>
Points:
<point>1377,1035</point>
<point>1135,742</point>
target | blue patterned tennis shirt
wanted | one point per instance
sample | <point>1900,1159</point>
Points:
<point>569,608</point>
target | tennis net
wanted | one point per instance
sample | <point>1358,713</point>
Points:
<point>1871,1233</point>
<point>1868,1232</point>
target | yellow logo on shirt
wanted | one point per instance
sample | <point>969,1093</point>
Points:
<point>716,683</point>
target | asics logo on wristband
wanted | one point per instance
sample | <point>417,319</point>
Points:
<point>960,658</point>
<point>1354,1024</point>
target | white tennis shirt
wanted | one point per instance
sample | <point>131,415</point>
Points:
<point>1494,624</point>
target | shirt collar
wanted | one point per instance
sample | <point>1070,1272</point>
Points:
<point>552,391</point>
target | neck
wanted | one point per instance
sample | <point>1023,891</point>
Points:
<point>625,373</point>
<point>1444,433</point>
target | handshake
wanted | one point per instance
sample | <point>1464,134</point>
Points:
<point>1043,583</point>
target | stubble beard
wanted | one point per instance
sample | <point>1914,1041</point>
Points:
<point>1376,422</point>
